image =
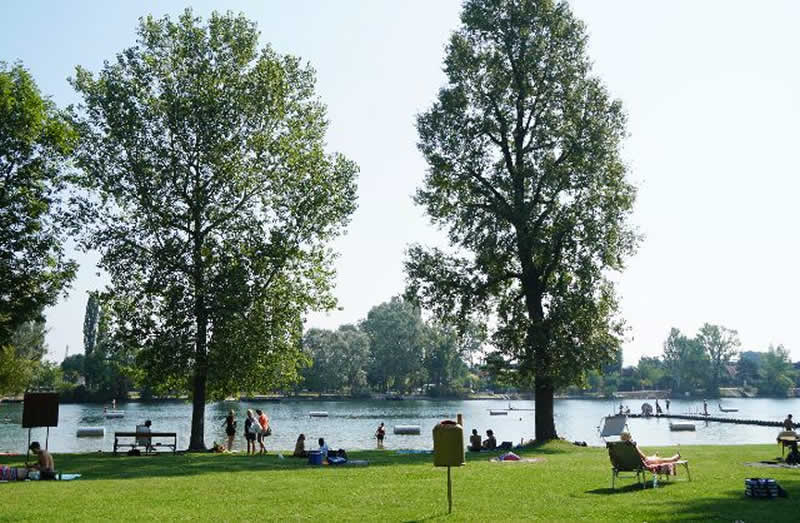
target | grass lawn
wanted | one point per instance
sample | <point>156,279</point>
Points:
<point>571,483</point>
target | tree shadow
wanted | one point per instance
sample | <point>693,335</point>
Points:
<point>733,505</point>
<point>102,466</point>
<point>438,515</point>
<point>633,487</point>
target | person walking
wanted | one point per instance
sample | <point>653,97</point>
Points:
<point>380,434</point>
<point>230,428</point>
<point>263,425</point>
<point>251,428</point>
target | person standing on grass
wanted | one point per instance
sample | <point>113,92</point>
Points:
<point>380,434</point>
<point>230,428</point>
<point>251,428</point>
<point>263,425</point>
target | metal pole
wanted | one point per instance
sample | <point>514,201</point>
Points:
<point>449,493</point>
<point>28,453</point>
<point>47,439</point>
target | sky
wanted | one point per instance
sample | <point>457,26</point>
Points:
<point>712,93</point>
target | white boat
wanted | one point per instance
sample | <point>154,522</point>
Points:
<point>114,414</point>
<point>682,427</point>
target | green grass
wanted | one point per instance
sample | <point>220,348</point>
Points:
<point>572,483</point>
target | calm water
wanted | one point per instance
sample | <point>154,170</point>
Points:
<point>352,424</point>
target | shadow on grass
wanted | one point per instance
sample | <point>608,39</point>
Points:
<point>438,515</point>
<point>103,466</point>
<point>633,487</point>
<point>733,505</point>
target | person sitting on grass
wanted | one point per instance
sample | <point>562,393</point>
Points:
<point>44,464</point>
<point>300,447</point>
<point>475,441</point>
<point>323,448</point>
<point>490,443</point>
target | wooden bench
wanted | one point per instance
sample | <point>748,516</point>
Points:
<point>144,435</point>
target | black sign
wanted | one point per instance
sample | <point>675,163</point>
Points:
<point>40,410</point>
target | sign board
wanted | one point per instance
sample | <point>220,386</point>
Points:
<point>40,409</point>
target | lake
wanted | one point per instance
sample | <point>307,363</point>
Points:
<point>351,424</point>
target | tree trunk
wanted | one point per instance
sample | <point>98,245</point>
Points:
<point>545,424</point>
<point>197,439</point>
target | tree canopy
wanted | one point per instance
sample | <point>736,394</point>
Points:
<point>36,141</point>
<point>396,336</point>
<point>524,173</point>
<point>212,204</point>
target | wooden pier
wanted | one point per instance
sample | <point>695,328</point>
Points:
<point>701,417</point>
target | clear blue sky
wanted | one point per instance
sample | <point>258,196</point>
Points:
<point>713,96</point>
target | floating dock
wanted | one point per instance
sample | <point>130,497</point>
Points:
<point>700,417</point>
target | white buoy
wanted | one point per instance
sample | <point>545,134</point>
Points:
<point>318,413</point>
<point>407,429</point>
<point>498,413</point>
<point>682,427</point>
<point>115,414</point>
<point>91,432</point>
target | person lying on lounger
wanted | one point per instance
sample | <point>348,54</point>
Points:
<point>650,460</point>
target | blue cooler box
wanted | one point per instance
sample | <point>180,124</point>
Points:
<point>315,457</point>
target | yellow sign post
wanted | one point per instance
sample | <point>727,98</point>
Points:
<point>448,451</point>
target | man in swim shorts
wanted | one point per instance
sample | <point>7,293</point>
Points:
<point>44,463</point>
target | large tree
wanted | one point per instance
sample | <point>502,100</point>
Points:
<point>396,342</point>
<point>776,372</point>
<point>721,345</point>
<point>686,362</point>
<point>214,203</point>
<point>35,143</point>
<point>21,359</point>
<point>338,359</point>
<point>523,149</point>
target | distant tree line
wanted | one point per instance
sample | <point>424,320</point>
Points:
<point>392,350</point>
<point>701,365</point>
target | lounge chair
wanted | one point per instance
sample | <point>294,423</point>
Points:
<point>625,458</point>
